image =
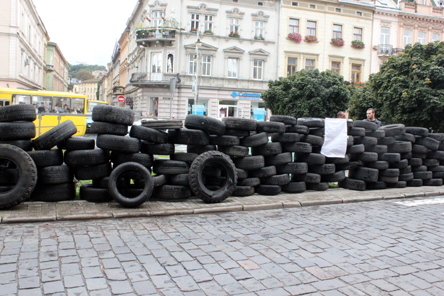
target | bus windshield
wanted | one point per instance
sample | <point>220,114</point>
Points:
<point>91,106</point>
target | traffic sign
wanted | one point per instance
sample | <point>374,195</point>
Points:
<point>121,99</point>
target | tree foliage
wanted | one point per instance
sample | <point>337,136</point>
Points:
<point>409,88</point>
<point>84,75</point>
<point>307,94</point>
<point>73,69</point>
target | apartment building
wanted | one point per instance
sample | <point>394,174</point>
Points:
<point>56,69</point>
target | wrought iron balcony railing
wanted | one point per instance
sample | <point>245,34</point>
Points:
<point>385,50</point>
<point>145,37</point>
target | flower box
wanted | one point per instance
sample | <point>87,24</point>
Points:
<point>209,32</point>
<point>260,37</point>
<point>234,35</point>
<point>310,39</point>
<point>357,44</point>
<point>296,37</point>
<point>337,42</point>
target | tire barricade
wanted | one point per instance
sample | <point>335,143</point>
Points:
<point>232,157</point>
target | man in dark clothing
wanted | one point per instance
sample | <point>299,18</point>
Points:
<point>371,116</point>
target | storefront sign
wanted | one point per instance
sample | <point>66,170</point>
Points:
<point>259,114</point>
<point>246,95</point>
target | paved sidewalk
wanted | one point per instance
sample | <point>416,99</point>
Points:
<point>82,210</point>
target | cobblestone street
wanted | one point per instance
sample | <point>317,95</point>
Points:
<point>387,247</point>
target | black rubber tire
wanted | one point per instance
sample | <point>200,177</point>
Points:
<point>392,130</point>
<point>424,175</point>
<point>297,168</point>
<point>280,180</point>
<point>268,189</point>
<point>200,149</point>
<point>389,173</point>
<point>353,184</point>
<point>437,136</point>
<point>406,170</point>
<point>279,159</point>
<point>270,127</point>
<point>322,186</point>
<point>300,129</point>
<point>438,168</point>
<point>377,149</point>
<point>224,140</point>
<point>439,155</point>
<point>55,175</point>
<point>379,165</point>
<point>431,162</point>
<point>390,157</point>
<point>101,183</point>
<point>311,122</point>
<point>187,157</point>
<point>79,158</point>
<point>286,137</point>
<point>336,177</point>
<point>364,174</point>
<point>27,180</point>
<point>376,185</point>
<point>399,184</point>
<point>365,124</point>
<point>317,131</point>
<point>93,194</point>
<point>54,136</point>
<point>250,162</point>
<point>310,158</point>
<point>348,166</point>
<point>254,140</point>
<point>16,131</point>
<point>368,156</point>
<point>337,160</point>
<point>415,183</point>
<point>241,174</point>
<point>188,137</point>
<point>314,140</point>
<point>322,169</point>
<point>240,123</point>
<point>406,137</point>
<point>289,120</point>
<point>420,131</point>
<point>375,134</point>
<point>428,142</point>
<point>117,158</point>
<point>8,176</point>
<point>386,141</point>
<point>54,193</point>
<point>180,179</point>
<point>22,112</point>
<point>309,178</point>
<point>237,133</point>
<point>171,192</point>
<point>249,182</point>
<point>157,149</point>
<point>170,167</point>
<point>268,149</point>
<point>93,172</point>
<point>262,172</point>
<point>407,155</point>
<point>196,182</point>
<point>415,161</point>
<point>403,163</point>
<point>240,151</point>
<point>113,114</point>
<point>294,187</point>
<point>356,131</point>
<point>210,125</point>
<point>159,180</point>
<point>45,158</point>
<point>406,177</point>
<point>420,168</point>
<point>438,175</point>
<point>119,143</point>
<point>359,148</point>
<point>131,201</point>
<point>419,155</point>
<point>432,182</point>
<point>366,141</point>
<point>299,147</point>
<point>79,143</point>
<point>148,134</point>
<point>98,127</point>
<point>243,191</point>
<point>22,144</point>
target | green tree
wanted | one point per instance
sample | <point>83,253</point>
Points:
<point>307,94</point>
<point>362,98</point>
<point>73,69</point>
<point>409,88</point>
<point>84,75</point>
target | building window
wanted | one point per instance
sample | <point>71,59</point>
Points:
<point>436,37</point>
<point>424,2</point>
<point>208,23</point>
<point>157,18</point>
<point>233,67</point>
<point>294,3</point>
<point>356,73</point>
<point>206,65</point>
<point>291,66</point>
<point>357,34</point>
<point>407,37</point>
<point>258,67</point>
<point>338,10</point>
<point>336,67</point>
<point>258,29</point>
<point>385,36</point>
<point>422,37</point>
<point>337,31</point>
<point>293,26</point>
<point>311,28</point>
<point>309,65</point>
<point>358,13</point>
<point>260,3</point>
<point>312,6</point>
<point>194,22</point>
<point>234,25</point>
<point>193,64</point>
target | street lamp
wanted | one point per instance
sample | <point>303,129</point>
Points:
<point>196,82</point>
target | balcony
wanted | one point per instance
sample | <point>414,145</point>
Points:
<point>385,50</point>
<point>145,79</point>
<point>147,37</point>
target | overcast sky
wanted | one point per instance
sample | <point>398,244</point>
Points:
<point>85,30</point>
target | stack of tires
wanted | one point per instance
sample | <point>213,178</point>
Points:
<point>55,179</point>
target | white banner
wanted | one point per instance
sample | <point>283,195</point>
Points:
<point>335,138</point>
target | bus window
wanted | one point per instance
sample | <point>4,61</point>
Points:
<point>91,106</point>
<point>43,104</point>
<point>21,99</point>
<point>77,104</point>
<point>61,105</point>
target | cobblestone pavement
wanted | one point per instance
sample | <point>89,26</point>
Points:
<point>387,247</point>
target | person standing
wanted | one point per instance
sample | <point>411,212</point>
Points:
<point>341,114</point>
<point>371,116</point>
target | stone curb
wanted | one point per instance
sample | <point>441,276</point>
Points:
<point>29,219</point>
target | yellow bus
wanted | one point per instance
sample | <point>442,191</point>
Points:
<point>51,107</point>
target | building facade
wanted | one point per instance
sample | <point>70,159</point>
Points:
<point>22,51</point>
<point>88,88</point>
<point>56,69</point>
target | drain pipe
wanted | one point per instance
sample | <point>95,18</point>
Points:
<point>279,39</point>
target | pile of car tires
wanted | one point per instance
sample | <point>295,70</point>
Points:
<point>232,157</point>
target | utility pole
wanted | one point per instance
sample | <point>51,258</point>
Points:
<point>196,83</point>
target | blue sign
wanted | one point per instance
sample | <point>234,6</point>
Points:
<point>199,110</point>
<point>259,114</point>
<point>246,95</point>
